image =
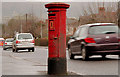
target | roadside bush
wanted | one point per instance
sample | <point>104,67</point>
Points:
<point>41,42</point>
<point>44,41</point>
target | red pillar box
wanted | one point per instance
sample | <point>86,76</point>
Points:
<point>57,38</point>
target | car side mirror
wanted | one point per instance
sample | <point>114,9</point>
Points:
<point>71,37</point>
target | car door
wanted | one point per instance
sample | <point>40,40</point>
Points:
<point>74,46</point>
<point>80,40</point>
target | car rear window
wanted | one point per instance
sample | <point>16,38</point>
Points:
<point>24,36</point>
<point>9,40</point>
<point>103,29</point>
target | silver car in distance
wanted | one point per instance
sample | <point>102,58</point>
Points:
<point>23,41</point>
<point>7,43</point>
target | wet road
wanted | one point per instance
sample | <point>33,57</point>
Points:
<point>34,63</point>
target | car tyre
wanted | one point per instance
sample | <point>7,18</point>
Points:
<point>119,56</point>
<point>4,48</point>
<point>85,56</point>
<point>13,50</point>
<point>16,50</point>
<point>103,56</point>
<point>33,49</point>
<point>28,50</point>
<point>71,56</point>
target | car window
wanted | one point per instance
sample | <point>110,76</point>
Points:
<point>83,32</point>
<point>76,34</point>
<point>25,36</point>
<point>103,30</point>
<point>9,40</point>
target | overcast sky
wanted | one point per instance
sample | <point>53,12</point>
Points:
<point>10,9</point>
<point>60,0</point>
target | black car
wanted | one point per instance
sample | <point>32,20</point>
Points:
<point>95,39</point>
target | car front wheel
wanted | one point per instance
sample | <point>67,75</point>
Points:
<point>71,56</point>
<point>84,54</point>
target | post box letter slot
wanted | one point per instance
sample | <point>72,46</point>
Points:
<point>51,25</point>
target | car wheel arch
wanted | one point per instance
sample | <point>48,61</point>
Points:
<point>68,46</point>
<point>82,45</point>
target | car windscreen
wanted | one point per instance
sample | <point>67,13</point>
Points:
<point>24,36</point>
<point>9,40</point>
<point>103,29</point>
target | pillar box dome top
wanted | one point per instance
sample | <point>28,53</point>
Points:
<point>57,5</point>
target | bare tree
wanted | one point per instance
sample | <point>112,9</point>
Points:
<point>96,13</point>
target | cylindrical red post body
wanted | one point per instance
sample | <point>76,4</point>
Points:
<point>57,38</point>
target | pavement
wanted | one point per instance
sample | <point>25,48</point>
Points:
<point>0,63</point>
<point>23,66</point>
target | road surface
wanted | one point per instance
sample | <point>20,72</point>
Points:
<point>35,63</point>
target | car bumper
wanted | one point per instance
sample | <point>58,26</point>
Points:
<point>24,46</point>
<point>113,48</point>
<point>8,46</point>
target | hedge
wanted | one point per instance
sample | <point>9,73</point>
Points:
<point>41,42</point>
<point>44,41</point>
